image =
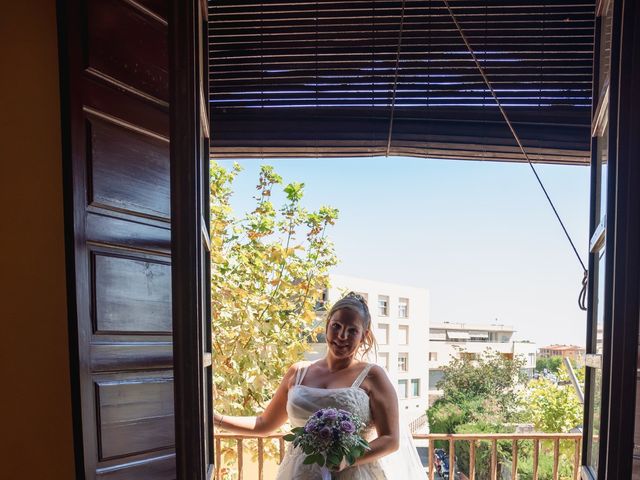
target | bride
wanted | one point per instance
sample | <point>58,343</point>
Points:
<point>339,380</point>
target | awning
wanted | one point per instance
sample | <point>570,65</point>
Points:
<point>453,335</point>
<point>437,336</point>
<point>479,334</point>
<point>300,78</point>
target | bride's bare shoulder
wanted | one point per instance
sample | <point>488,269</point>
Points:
<point>377,375</point>
<point>300,365</point>
<point>294,369</point>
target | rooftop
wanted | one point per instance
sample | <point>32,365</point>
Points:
<point>493,327</point>
<point>562,347</point>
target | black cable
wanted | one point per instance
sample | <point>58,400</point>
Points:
<point>513,132</point>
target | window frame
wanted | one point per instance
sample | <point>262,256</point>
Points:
<point>382,298</point>
<point>405,357</point>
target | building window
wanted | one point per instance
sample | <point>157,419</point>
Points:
<point>434,377</point>
<point>403,308</point>
<point>402,388</point>
<point>403,334</point>
<point>382,334</point>
<point>383,305</point>
<point>433,356</point>
<point>403,362</point>
<point>383,360</point>
<point>365,296</point>
<point>415,387</point>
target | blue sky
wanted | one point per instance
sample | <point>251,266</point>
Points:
<point>479,236</point>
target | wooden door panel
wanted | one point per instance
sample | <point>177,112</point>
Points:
<point>131,295</point>
<point>136,414</point>
<point>128,44</point>
<point>129,168</point>
<point>140,112</point>
<point>109,230</point>
<point>126,356</point>
<point>119,164</point>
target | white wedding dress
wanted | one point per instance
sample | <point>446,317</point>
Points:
<point>304,401</point>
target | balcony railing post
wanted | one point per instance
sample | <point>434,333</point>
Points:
<point>430,453</point>
<point>240,459</point>
<point>218,457</point>
<point>514,459</point>
<point>494,459</point>
<point>472,459</point>
<point>556,457</point>
<point>260,459</point>
<point>452,458</point>
<point>536,452</point>
<point>576,459</point>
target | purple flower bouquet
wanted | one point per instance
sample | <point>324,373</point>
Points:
<point>329,436</point>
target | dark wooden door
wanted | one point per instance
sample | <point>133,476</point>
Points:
<point>190,240</point>
<point>115,72</point>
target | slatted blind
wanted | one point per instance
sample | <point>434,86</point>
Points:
<point>336,78</point>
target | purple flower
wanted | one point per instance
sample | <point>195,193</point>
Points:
<point>310,426</point>
<point>347,426</point>
<point>330,414</point>
<point>325,433</point>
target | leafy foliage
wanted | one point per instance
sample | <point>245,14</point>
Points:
<point>268,269</point>
<point>486,394</point>
<point>483,387</point>
<point>552,408</point>
<point>552,364</point>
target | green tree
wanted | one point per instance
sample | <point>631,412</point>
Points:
<point>552,364</point>
<point>551,408</point>
<point>268,270</point>
<point>491,378</point>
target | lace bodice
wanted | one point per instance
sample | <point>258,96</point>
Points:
<point>304,401</point>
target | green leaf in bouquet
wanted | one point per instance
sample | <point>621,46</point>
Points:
<point>314,458</point>
<point>297,430</point>
<point>289,437</point>
<point>334,458</point>
<point>308,449</point>
<point>351,459</point>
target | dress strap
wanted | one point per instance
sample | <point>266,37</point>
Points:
<point>362,376</point>
<point>301,373</point>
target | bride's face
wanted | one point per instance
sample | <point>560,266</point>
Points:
<point>345,333</point>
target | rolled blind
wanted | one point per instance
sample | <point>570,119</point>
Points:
<point>302,78</point>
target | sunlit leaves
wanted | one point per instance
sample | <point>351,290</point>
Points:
<point>269,267</point>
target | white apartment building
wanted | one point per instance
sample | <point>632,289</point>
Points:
<point>450,340</point>
<point>400,319</point>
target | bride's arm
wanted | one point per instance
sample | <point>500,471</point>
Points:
<point>273,417</point>
<point>383,402</point>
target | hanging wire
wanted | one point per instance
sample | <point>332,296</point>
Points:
<point>582,295</point>
<point>395,81</point>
